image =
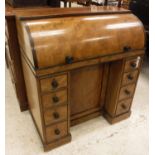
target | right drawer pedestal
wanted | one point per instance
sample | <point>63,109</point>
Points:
<point>121,86</point>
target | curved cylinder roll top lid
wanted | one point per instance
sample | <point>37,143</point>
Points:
<point>49,41</point>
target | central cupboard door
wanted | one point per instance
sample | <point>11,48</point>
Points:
<point>85,90</point>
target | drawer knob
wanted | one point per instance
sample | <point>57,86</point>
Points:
<point>133,64</point>
<point>55,99</point>
<point>57,131</point>
<point>56,115</point>
<point>54,84</point>
<point>123,106</point>
<point>69,59</point>
<point>127,92</point>
<point>127,48</point>
<point>130,77</point>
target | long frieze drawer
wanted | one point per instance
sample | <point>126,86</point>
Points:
<point>53,83</point>
<point>55,115</point>
<point>132,64</point>
<point>126,92</point>
<point>56,131</point>
<point>123,106</point>
<point>54,99</point>
<point>129,77</point>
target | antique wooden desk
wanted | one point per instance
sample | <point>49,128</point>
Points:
<point>78,64</point>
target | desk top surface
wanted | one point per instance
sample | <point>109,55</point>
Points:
<point>39,12</point>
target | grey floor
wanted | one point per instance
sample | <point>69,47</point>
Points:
<point>94,137</point>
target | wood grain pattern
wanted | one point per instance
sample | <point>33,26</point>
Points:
<point>60,112</point>
<point>48,100</point>
<point>111,36</point>
<point>85,118</point>
<point>130,77</point>
<point>89,62</point>
<point>50,131</point>
<point>126,91</point>
<point>123,106</point>
<point>85,88</point>
<point>46,84</point>
<point>47,12</point>
<point>33,97</point>
<point>85,71</point>
<point>113,120</point>
<point>13,53</point>
<point>24,38</point>
<point>132,64</point>
<point>113,85</point>
<point>57,143</point>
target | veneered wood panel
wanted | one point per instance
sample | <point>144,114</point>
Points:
<point>132,64</point>
<point>14,58</point>
<point>127,91</point>
<point>25,41</point>
<point>51,133</point>
<point>54,99</point>
<point>53,83</point>
<point>55,115</point>
<point>33,96</point>
<point>129,77</point>
<point>123,106</point>
<point>79,40</point>
<point>85,88</point>
<point>113,86</point>
<point>90,62</point>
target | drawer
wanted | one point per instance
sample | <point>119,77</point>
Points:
<point>123,106</point>
<point>55,115</point>
<point>53,99</point>
<point>129,77</point>
<point>56,131</point>
<point>132,64</point>
<point>126,92</point>
<point>53,83</point>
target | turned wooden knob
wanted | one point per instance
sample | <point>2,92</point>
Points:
<point>123,106</point>
<point>127,48</point>
<point>57,131</point>
<point>56,115</point>
<point>130,77</point>
<point>54,83</point>
<point>69,59</point>
<point>55,99</point>
<point>127,92</point>
<point>133,64</point>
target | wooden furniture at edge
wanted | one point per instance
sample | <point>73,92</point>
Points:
<point>13,61</point>
<point>12,52</point>
<point>90,73</point>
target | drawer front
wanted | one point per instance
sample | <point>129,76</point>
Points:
<point>53,83</point>
<point>55,115</point>
<point>129,77</point>
<point>123,106</point>
<point>56,131</point>
<point>126,92</point>
<point>132,64</point>
<point>53,99</point>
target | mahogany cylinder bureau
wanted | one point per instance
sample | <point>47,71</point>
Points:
<point>79,66</point>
